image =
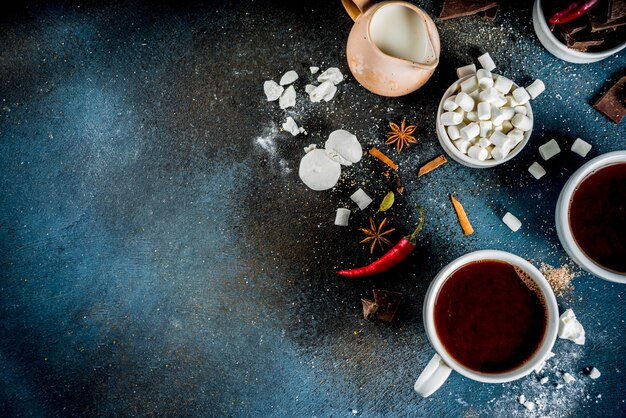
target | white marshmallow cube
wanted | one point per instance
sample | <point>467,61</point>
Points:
<point>466,70</point>
<point>485,78</point>
<point>549,149</point>
<point>361,199</point>
<point>486,62</point>
<point>496,116</point>
<point>464,101</point>
<point>451,118</point>
<point>454,132</point>
<point>521,96</point>
<point>581,147</point>
<point>512,222</point>
<point>499,101</point>
<point>488,95</point>
<point>342,217</point>
<point>499,139</point>
<point>500,153</point>
<point>469,85</point>
<point>536,88</point>
<point>521,110</point>
<point>449,104</point>
<point>536,170</point>
<point>472,116</point>
<point>485,127</point>
<point>471,131</point>
<point>522,122</point>
<point>462,145</point>
<point>503,84</point>
<point>477,153</point>
<point>484,111</point>
<point>507,112</point>
<point>484,142</point>
<point>510,101</point>
<point>516,135</point>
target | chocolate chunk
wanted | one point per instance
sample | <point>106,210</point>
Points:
<point>490,14</point>
<point>597,26</point>
<point>581,41</point>
<point>612,104</point>
<point>616,10</point>
<point>574,26</point>
<point>388,303</point>
<point>369,308</point>
<point>458,8</point>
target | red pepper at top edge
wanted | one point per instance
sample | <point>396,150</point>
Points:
<point>573,11</point>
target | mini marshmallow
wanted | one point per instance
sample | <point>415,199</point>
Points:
<point>503,84</point>
<point>549,149</point>
<point>472,116</point>
<point>469,85</point>
<point>464,101</point>
<point>499,139</point>
<point>488,95</point>
<point>477,152</point>
<point>522,122</point>
<point>521,110</point>
<point>536,170</point>
<point>517,135</point>
<point>507,112</point>
<point>361,199</point>
<point>484,111</point>
<point>485,127</point>
<point>510,101</point>
<point>512,222</point>
<point>466,70</point>
<point>581,147</point>
<point>529,405</point>
<point>568,378</point>
<point>451,118</point>
<point>484,142</point>
<point>486,62</point>
<point>462,145</point>
<point>521,96</point>
<point>496,116</point>
<point>454,132</point>
<point>470,131</point>
<point>485,78</point>
<point>499,101</point>
<point>521,399</point>
<point>449,104</point>
<point>594,373</point>
<point>536,88</point>
<point>500,153</point>
<point>342,217</point>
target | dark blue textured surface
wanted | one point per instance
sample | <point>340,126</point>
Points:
<point>156,261</point>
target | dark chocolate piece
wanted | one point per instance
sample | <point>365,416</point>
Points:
<point>612,104</point>
<point>490,14</point>
<point>388,303</point>
<point>574,26</point>
<point>581,41</point>
<point>616,10</point>
<point>458,8</point>
<point>598,26</point>
<point>369,308</point>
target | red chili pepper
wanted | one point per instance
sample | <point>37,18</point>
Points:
<point>573,11</point>
<point>395,255</point>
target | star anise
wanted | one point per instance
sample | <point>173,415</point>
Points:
<point>376,234</point>
<point>401,135</point>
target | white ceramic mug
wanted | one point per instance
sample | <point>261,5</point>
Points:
<point>442,363</point>
<point>563,227</point>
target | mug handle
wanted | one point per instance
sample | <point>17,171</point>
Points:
<point>433,376</point>
<point>356,7</point>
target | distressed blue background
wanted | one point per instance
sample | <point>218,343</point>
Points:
<point>156,261</point>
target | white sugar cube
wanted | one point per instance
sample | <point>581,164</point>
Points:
<point>536,88</point>
<point>486,62</point>
<point>451,118</point>
<point>449,104</point>
<point>470,131</point>
<point>485,78</point>
<point>484,111</point>
<point>454,132</point>
<point>521,110</point>
<point>361,199</point>
<point>594,373</point>
<point>512,222</point>
<point>464,101</point>
<point>342,217</point>
<point>568,378</point>
<point>477,153</point>
<point>462,145</point>
<point>549,149</point>
<point>272,90</point>
<point>521,96</point>
<point>485,127</point>
<point>469,85</point>
<point>522,122</point>
<point>581,147</point>
<point>466,70</point>
<point>288,78</point>
<point>503,84</point>
<point>288,98</point>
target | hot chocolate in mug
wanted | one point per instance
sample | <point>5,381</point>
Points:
<point>393,47</point>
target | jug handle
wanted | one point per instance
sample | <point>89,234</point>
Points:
<point>356,7</point>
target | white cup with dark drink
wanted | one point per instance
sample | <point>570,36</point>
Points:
<point>490,316</point>
<point>591,216</point>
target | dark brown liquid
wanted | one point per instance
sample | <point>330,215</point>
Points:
<point>488,319</point>
<point>598,216</point>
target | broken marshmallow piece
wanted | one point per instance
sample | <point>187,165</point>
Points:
<point>521,96</point>
<point>272,90</point>
<point>332,74</point>
<point>288,98</point>
<point>288,78</point>
<point>549,149</point>
<point>477,153</point>
<point>324,91</point>
<point>466,70</point>
<point>484,111</point>
<point>568,377</point>
<point>464,101</point>
<point>314,70</point>
<point>536,170</point>
<point>343,147</point>
<point>581,147</point>
<point>535,89</point>
<point>503,84</point>
<point>512,222</point>
<point>570,328</point>
<point>291,126</point>
<point>486,62</point>
<point>485,78</point>
<point>361,199</point>
<point>522,122</point>
<point>451,118</point>
<point>449,104</point>
<point>594,373</point>
<point>470,131</point>
<point>342,216</point>
<point>309,88</point>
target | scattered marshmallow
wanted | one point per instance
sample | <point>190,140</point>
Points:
<point>486,62</point>
<point>342,217</point>
<point>288,98</point>
<point>549,149</point>
<point>521,96</point>
<point>568,378</point>
<point>272,90</point>
<point>522,122</point>
<point>464,101</point>
<point>288,78</point>
<point>535,89</point>
<point>581,147</point>
<point>503,84</point>
<point>466,70</point>
<point>485,78</point>
<point>291,126</point>
<point>536,170</point>
<point>450,104</point>
<point>521,399</point>
<point>361,199</point>
<point>451,118</point>
<point>512,222</point>
<point>529,405</point>
<point>594,373</point>
<point>543,380</point>
<point>314,69</point>
<point>332,74</point>
<point>570,328</point>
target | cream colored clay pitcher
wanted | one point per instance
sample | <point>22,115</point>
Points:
<point>393,47</point>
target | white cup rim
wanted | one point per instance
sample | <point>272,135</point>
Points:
<point>552,312</point>
<point>564,229</point>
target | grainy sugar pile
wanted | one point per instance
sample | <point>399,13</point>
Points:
<point>560,278</point>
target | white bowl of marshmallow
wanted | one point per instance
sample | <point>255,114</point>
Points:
<point>485,119</point>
